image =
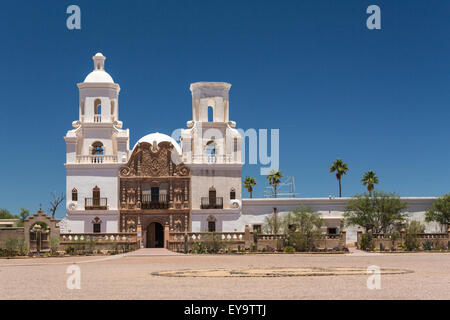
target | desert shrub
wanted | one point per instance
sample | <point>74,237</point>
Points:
<point>394,236</point>
<point>54,245</point>
<point>70,250</point>
<point>427,245</point>
<point>413,229</point>
<point>213,243</point>
<point>14,247</point>
<point>367,242</point>
<point>22,247</point>
<point>91,243</point>
<point>199,247</point>
<point>289,249</point>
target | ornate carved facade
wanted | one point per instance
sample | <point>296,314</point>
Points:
<point>155,189</point>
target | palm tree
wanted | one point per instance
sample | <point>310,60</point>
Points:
<point>341,168</point>
<point>249,182</point>
<point>274,178</point>
<point>369,179</point>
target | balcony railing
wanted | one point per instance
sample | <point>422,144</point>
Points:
<point>154,201</point>
<point>211,203</point>
<point>95,203</point>
<point>210,158</point>
<point>96,159</point>
<point>98,118</point>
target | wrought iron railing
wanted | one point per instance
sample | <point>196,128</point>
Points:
<point>96,203</point>
<point>150,201</point>
<point>211,203</point>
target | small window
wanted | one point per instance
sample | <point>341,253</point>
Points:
<point>211,226</point>
<point>332,230</point>
<point>232,194</point>
<point>97,227</point>
<point>74,194</point>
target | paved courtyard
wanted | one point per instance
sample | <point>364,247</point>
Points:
<point>133,276</point>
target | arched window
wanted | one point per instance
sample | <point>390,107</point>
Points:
<point>97,110</point>
<point>210,114</point>
<point>210,151</point>
<point>74,194</point>
<point>112,110</point>
<point>97,106</point>
<point>96,225</point>
<point>212,196</point>
<point>96,196</point>
<point>97,148</point>
<point>232,194</point>
<point>211,223</point>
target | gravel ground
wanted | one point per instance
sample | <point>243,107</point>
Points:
<point>129,277</point>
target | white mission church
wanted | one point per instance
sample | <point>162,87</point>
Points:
<point>195,186</point>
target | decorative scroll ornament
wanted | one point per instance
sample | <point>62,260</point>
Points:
<point>182,170</point>
<point>125,171</point>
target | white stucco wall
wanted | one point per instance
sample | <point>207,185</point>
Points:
<point>222,178</point>
<point>81,222</point>
<point>84,179</point>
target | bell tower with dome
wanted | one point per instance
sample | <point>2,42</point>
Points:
<point>95,149</point>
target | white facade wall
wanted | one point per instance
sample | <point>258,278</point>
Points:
<point>85,179</point>
<point>82,222</point>
<point>222,179</point>
<point>254,211</point>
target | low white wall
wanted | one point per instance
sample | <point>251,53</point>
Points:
<point>82,222</point>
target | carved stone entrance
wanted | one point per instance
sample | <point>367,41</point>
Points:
<point>155,235</point>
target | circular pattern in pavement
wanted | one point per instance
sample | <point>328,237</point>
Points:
<point>276,272</point>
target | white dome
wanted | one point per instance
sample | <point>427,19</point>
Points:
<point>99,76</point>
<point>159,137</point>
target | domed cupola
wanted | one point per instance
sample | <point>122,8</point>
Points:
<point>99,74</point>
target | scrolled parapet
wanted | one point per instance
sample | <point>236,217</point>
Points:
<point>236,204</point>
<point>76,124</point>
<point>118,124</point>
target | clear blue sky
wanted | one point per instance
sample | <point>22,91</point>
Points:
<point>378,99</point>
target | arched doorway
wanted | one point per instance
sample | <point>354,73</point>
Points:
<point>155,235</point>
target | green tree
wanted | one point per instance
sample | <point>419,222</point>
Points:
<point>378,212</point>
<point>413,229</point>
<point>369,179</point>
<point>440,211</point>
<point>24,213</point>
<point>249,182</point>
<point>274,178</point>
<point>5,214</point>
<point>303,228</point>
<point>340,168</point>
<point>273,224</point>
